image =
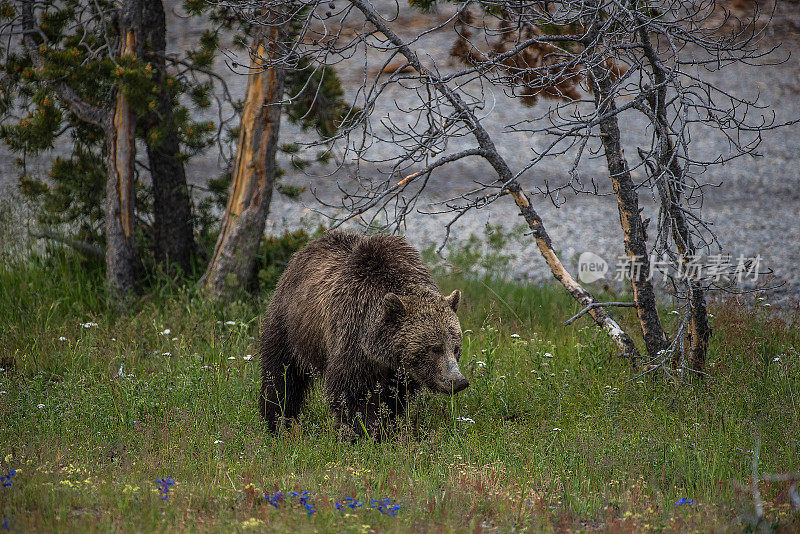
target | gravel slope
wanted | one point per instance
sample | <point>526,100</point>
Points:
<point>754,209</point>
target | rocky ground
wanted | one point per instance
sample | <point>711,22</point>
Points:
<point>751,203</point>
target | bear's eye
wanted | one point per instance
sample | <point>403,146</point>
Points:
<point>437,349</point>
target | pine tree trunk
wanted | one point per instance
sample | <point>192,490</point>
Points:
<point>253,177</point>
<point>629,216</point>
<point>172,224</point>
<point>122,257</point>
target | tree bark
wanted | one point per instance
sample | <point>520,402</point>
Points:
<point>172,215</point>
<point>123,265</point>
<point>629,216</point>
<point>232,264</point>
<point>699,329</point>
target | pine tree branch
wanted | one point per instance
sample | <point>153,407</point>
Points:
<point>80,108</point>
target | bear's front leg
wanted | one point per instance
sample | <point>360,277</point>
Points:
<point>283,383</point>
<point>360,404</point>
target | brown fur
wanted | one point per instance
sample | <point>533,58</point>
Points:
<point>364,313</point>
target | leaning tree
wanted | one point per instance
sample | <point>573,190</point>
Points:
<point>600,61</point>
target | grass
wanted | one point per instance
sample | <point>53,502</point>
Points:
<point>554,434</point>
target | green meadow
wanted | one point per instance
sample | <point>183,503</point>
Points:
<point>556,433</point>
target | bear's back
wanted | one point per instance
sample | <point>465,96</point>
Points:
<point>334,286</point>
<point>388,264</point>
<point>361,263</point>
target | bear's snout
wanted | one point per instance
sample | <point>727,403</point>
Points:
<point>454,380</point>
<point>460,385</point>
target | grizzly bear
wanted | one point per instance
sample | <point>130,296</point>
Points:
<point>364,313</point>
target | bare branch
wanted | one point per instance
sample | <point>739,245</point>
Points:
<point>81,246</point>
<point>598,305</point>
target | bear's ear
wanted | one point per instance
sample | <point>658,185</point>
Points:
<point>453,299</point>
<point>393,307</point>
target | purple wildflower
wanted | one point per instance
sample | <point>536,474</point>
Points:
<point>163,487</point>
<point>684,500</point>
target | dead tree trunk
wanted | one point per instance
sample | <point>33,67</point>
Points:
<point>629,215</point>
<point>512,186</point>
<point>601,317</point>
<point>122,257</point>
<point>172,215</point>
<point>671,174</point>
<point>253,177</point>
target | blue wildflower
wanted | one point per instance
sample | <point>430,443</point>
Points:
<point>303,495</point>
<point>274,499</point>
<point>163,486</point>
<point>5,524</point>
<point>6,479</point>
<point>353,503</point>
<point>338,505</point>
<point>386,506</point>
<point>310,509</point>
<point>684,500</point>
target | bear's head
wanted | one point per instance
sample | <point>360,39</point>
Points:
<point>426,338</point>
